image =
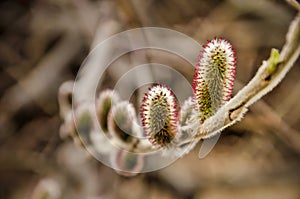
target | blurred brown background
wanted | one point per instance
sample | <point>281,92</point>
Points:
<point>44,42</point>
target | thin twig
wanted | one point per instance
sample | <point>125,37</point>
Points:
<point>279,127</point>
<point>294,3</point>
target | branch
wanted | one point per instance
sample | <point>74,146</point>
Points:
<point>268,76</point>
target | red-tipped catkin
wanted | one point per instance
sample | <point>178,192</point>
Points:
<point>159,115</point>
<point>214,76</point>
<point>127,163</point>
<point>104,103</point>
